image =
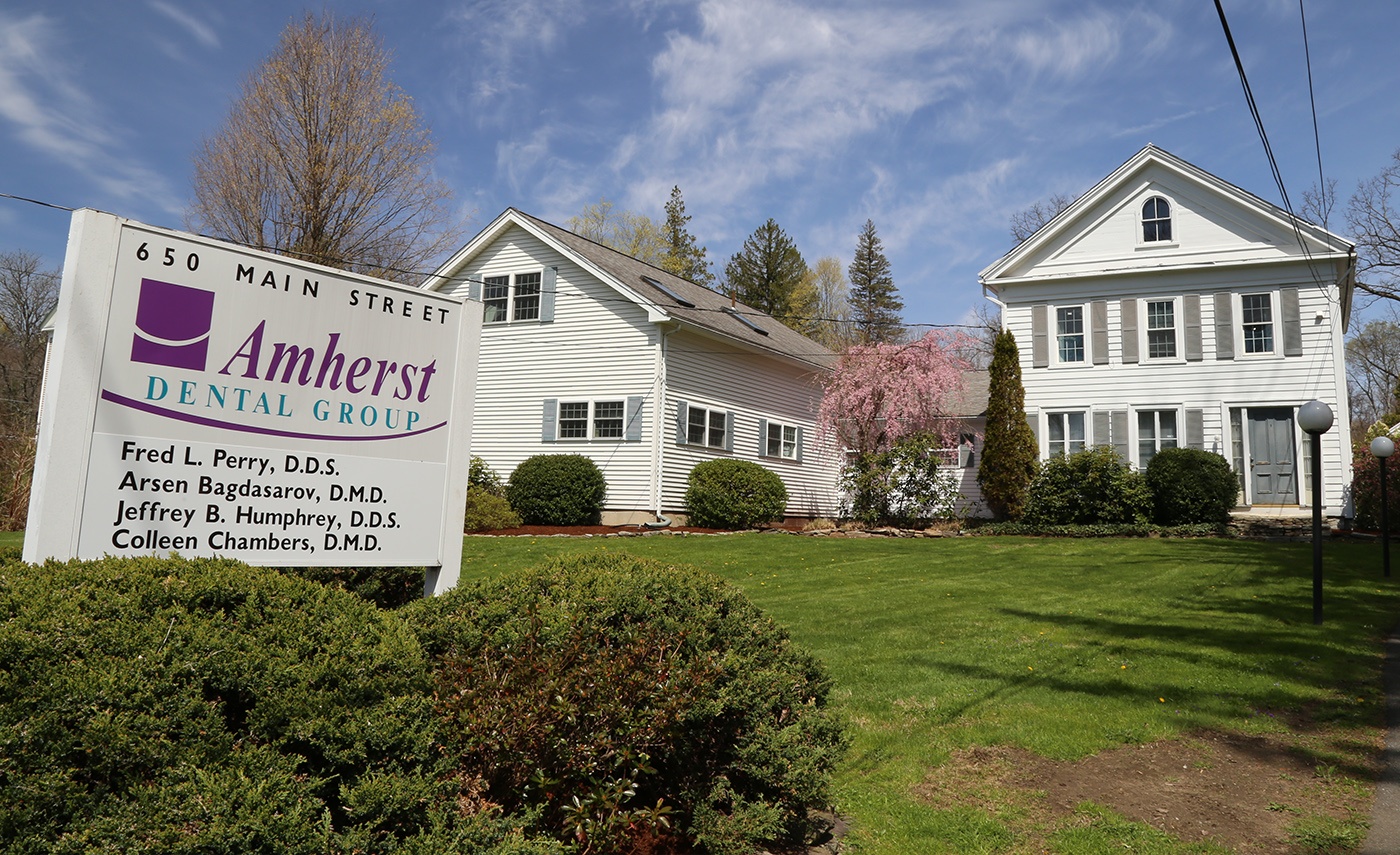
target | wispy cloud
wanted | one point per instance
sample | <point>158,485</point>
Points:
<point>50,114</point>
<point>202,32</point>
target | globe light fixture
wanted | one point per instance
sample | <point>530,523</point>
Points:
<point>1382,447</point>
<point>1315,418</point>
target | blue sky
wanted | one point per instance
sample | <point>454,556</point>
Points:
<point>936,119</point>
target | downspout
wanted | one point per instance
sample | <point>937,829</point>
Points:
<point>1001,307</point>
<point>658,454</point>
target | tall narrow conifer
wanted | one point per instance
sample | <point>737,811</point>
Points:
<point>875,301</point>
<point>1009,450</point>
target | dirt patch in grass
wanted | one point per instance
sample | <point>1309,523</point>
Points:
<point>1252,794</point>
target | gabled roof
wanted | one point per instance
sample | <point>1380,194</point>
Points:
<point>666,297</point>
<point>1034,258</point>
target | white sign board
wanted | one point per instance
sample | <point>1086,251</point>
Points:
<point>207,399</point>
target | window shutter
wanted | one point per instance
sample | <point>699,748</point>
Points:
<point>800,436</point>
<point>729,431</point>
<point>1098,314</point>
<point>1101,435</point>
<point>1040,337</point>
<point>1224,327</point>
<point>634,418</point>
<point>1191,323</point>
<point>1195,429</point>
<point>549,424</point>
<point>1033,419</point>
<point>548,285</point>
<point>474,290</point>
<point>1130,331</point>
<point>762,437</point>
<point>1292,322</point>
<point>682,420</point>
<point>1118,432</point>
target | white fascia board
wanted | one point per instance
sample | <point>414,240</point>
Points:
<point>1138,269</point>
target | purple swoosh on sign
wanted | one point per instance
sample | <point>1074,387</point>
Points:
<point>144,407</point>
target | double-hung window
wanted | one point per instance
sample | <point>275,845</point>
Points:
<point>1069,334</point>
<point>1161,329</point>
<point>1257,322</point>
<point>705,427</point>
<point>1156,431</point>
<point>1066,433</point>
<point>510,298</point>
<point>781,441</point>
<point>591,419</point>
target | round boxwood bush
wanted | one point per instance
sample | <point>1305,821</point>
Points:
<point>165,705</point>
<point>1190,486</point>
<point>485,511</point>
<point>634,706</point>
<point>734,494</point>
<point>557,489</point>
<point>1087,487</point>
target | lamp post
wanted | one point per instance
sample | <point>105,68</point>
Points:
<point>1382,447</point>
<point>1315,418</point>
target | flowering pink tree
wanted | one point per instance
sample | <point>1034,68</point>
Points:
<point>878,394</point>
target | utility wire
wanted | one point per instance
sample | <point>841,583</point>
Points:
<point>1324,207</point>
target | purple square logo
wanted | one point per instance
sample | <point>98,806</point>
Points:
<point>172,325</point>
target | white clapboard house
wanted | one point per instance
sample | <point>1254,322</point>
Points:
<point>1167,307</point>
<point>586,350</point>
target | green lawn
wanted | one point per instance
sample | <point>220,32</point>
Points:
<point>1063,647</point>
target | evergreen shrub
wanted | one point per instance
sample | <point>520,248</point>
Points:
<point>1087,487</point>
<point>1191,486</point>
<point>168,705</point>
<point>734,494</point>
<point>633,706</point>
<point>482,476</point>
<point>557,489</point>
<point>487,511</point>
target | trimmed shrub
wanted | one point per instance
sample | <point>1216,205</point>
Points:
<point>903,486</point>
<point>487,511</point>
<point>557,489</point>
<point>1191,486</point>
<point>483,477</point>
<point>629,701</point>
<point>386,587</point>
<point>166,705</point>
<point>1087,487</point>
<point>734,494</point>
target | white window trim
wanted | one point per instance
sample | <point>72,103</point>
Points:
<point>512,284</point>
<point>1088,426</point>
<point>710,413</point>
<point>1172,218</point>
<point>1275,322</point>
<point>1144,351</point>
<point>592,421</point>
<point>1086,321</point>
<point>769,425</point>
<point>1136,435</point>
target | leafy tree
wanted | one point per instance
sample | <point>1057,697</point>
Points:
<point>626,231</point>
<point>1375,225</point>
<point>878,394</point>
<point>322,157</point>
<point>1009,450</point>
<point>824,305</point>
<point>1028,222</point>
<point>684,256</point>
<point>767,271</point>
<point>875,302</point>
<point>1373,370</point>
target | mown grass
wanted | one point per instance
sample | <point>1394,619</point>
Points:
<point>1061,647</point>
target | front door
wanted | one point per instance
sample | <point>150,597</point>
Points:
<point>1271,459</point>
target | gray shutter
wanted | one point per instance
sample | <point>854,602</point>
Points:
<point>1292,323</point>
<point>474,290</point>
<point>1191,321</point>
<point>729,431</point>
<point>1098,313</point>
<point>1033,419</point>
<point>1195,429</point>
<point>762,437</point>
<point>634,418</point>
<point>1101,435</point>
<point>548,285</point>
<point>682,421</point>
<point>1040,337</point>
<point>549,424</point>
<point>1224,327</point>
<point>800,437</point>
<point>1130,331</point>
<point>1118,433</point>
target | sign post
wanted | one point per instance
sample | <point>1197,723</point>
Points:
<point>207,399</point>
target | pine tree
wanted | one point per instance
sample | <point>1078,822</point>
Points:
<point>767,271</point>
<point>875,301</point>
<point>684,256</point>
<point>1009,449</point>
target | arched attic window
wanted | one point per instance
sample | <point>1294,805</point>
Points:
<point>1156,220</point>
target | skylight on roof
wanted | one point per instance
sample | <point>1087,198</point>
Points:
<point>745,321</point>
<point>668,292</point>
